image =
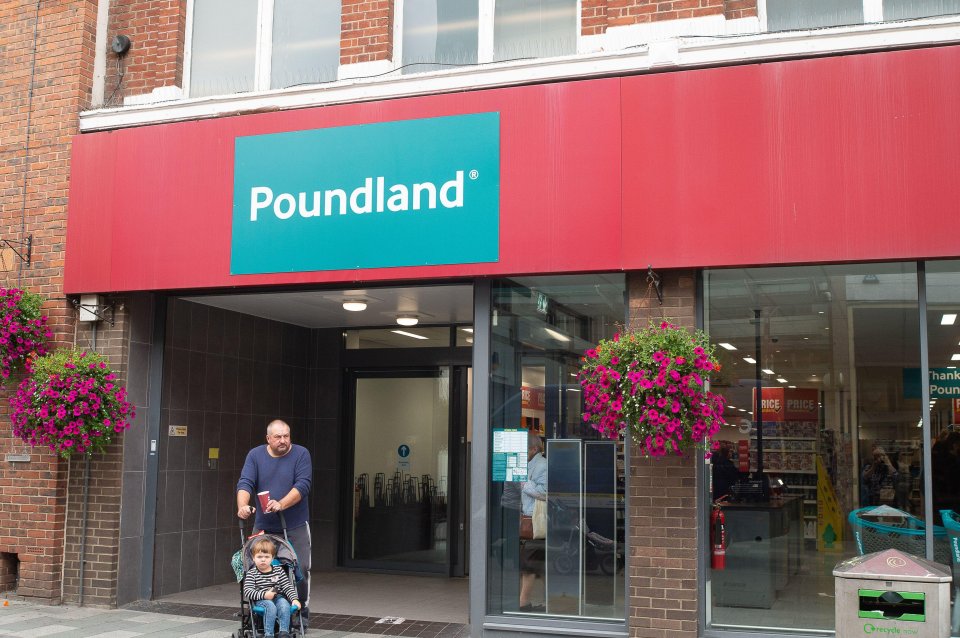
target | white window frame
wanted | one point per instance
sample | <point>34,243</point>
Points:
<point>263,56</point>
<point>485,45</point>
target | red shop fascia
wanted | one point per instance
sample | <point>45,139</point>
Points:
<point>838,159</point>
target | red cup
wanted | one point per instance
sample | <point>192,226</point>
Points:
<point>264,499</point>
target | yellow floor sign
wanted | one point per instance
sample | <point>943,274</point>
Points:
<point>829,516</point>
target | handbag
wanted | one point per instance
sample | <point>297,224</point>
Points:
<point>539,519</point>
<point>526,527</point>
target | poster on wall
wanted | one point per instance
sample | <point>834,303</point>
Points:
<point>509,455</point>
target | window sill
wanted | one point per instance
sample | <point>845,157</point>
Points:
<point>683,52</point>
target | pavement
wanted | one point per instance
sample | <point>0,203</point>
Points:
<point>25,619</point>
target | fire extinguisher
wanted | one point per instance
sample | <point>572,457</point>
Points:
<point>718,538</point>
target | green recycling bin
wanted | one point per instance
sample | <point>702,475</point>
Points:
<point>893,594</point>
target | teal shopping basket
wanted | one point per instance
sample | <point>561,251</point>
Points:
<point>951,523</point>
<point>900,530</point>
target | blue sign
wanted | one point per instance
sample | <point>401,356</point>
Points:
<point>944,383</point>
<point>409,193</point>
<point>403,451</point>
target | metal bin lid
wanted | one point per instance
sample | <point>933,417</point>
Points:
<point>892,564</point>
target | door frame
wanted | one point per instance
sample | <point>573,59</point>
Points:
<point>397,363</point>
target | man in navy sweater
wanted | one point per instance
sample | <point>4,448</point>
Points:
<point>284,470</point>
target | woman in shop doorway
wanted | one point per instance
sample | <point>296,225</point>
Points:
<point>532,552</point>
<point>878,473</point>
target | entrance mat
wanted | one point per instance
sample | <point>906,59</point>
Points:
<point>333,622</point>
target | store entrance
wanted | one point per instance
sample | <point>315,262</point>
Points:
<point>409,432</point>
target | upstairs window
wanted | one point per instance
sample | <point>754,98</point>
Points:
<point>437,34</point>
<point>255,45</point>
<point>785,15</point>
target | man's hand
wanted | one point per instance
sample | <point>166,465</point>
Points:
<point>273,506</point>
<point>245,511</point>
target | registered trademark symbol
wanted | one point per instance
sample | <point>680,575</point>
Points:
<point>474,174</point>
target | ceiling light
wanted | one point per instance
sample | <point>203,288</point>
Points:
<point>407,320</point>
<point>355,306</point>
<point>955,357</point>
<point>792,386</point>
<point>768,371</point>
<point>556,335</point>
<point>408,334</point>
<point>469,339</point>
<point>728,346</point>
<point>470,330</point>
<point>732,407</point>
<point>741,409</point>
<point>948,320</point>
<point>749,359</point>
<point>781,380</point>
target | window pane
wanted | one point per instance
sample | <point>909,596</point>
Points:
<point>540,329</point>
<point>783,15</point>
<point>908,9</point>
<point>223,47</point>
<point>439,33</point>
<point>401,511</point>
<point>943,334</point>
<point>306,42</point>
<point>534,28</point>
<point>834,351</point>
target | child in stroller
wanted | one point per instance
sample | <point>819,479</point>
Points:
<point>266,568</point>
<point>267,585</point>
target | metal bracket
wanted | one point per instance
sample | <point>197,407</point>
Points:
<point>98,312</point>
<point>653,279</point>
<point>26,246</point>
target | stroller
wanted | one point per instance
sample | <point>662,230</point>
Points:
<point>251,612</point>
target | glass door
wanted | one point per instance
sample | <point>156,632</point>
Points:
<point>401,470</point>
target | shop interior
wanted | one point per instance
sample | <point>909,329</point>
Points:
<point>835,355</point>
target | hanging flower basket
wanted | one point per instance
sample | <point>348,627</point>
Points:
<point>71,404</point>
<point>652,383</point>
<point>23,331</point>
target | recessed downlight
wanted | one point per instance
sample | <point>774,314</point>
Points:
<point>355,306</point>
<point>749,359</point>
<point>768,371</point>
<point>407,320</point>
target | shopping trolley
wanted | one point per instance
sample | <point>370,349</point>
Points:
<point>898,530</point>
<point>951,522</point>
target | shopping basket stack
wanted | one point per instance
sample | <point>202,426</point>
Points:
<point>951,522</point>
<point>884,527</point>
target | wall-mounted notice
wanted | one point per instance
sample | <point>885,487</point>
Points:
<point>509,455</point>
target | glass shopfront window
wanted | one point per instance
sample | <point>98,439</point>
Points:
<point>821,371</point>
<point>542,451</point>
<point>943,347</point>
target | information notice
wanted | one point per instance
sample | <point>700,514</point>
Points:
<point>510,455</point>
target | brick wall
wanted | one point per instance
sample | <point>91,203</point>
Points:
<point>155,59</point>
<point>366,31</point>
<point>32,494</point>
<point>100,535</point>
<point>663,496</point>
<point>597,15</point>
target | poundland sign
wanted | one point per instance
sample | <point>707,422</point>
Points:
<point>410,193</point>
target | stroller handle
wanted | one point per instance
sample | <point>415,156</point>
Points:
<point>283,524</point>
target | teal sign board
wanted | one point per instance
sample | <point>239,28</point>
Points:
<point>409,193</point>
<point>944,383</point>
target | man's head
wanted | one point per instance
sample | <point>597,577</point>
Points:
<point>278,438</point>
<point>534,444</point>
<point>879,454</point>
